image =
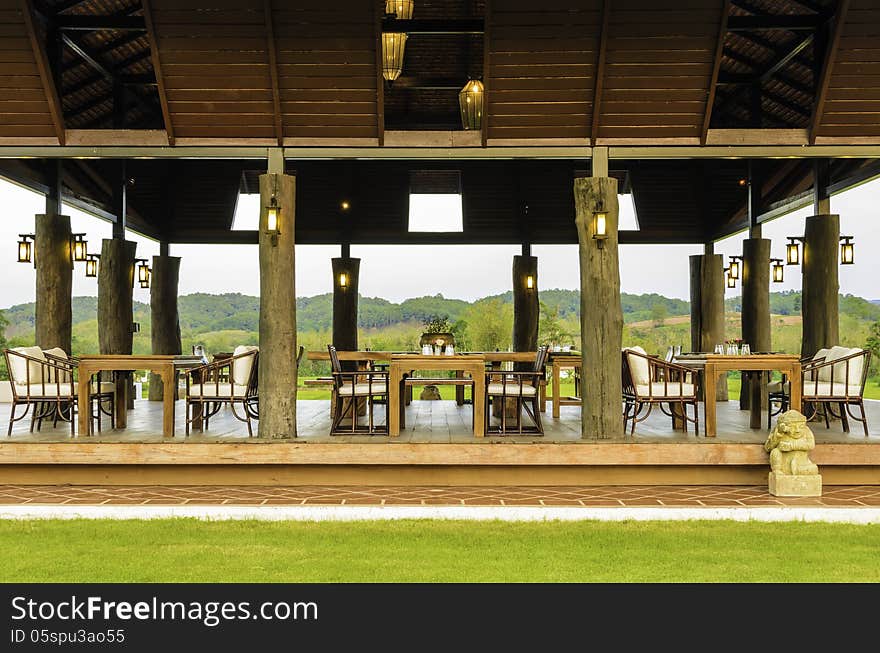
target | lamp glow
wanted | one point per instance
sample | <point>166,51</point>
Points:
<point>792,251</point>
<point>25,248</point>
<point>343,280</point>
<point>778,270</point>
<point>731,281</point>
<point>600,227</point>
<point>80,247</point>
<point>92,265</point>
<point>734,266</point>
<point>847,253</point>
<point>470,102</point>
<point>530,282</point>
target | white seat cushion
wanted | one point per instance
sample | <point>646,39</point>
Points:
<point>18,371</point>
<point>826,389</point>
<point>638,367</point>
<point>241,368</point>
<point>511,389</point>
<point>219,390</point>
<point>56,389</point>
<point>659,389</point>
<point>362,389</point>
<point>57,352</point>
<point>776,387</point>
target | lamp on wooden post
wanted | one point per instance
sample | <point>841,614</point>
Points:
<point>847,253</point>
<point>273,214</point>
<point>80,248</point>
<point>731,280</point>
<point>343,280</point>
<point>470,101</point>
<point>600,226</point>
<point>143,272</point>
<point>92,265</point>
<point>778,270</point>
<point>530,282</point>
<point>734,266</point>
<point>793,251</point>
<point>26,248</point>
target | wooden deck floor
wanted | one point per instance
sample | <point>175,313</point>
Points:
<point>433,422</point>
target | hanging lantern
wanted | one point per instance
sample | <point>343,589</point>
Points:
<point>792,251</point>
<point>393,46</point>
<point>778,270</point>
<point>600,227</point>
<point>530,282</point>
<point>847,254</point>
<point>731,281</point>
<point>402,9</point>
<point>25,248</point>
<point>145,282</point>
<point>143,272</point>
<point>734,266</point>
<point>92,265</point>
<point>80,247</point>
<point>343,280</point>
<point>470,101</point>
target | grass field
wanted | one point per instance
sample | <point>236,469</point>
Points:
<point>185,550</point>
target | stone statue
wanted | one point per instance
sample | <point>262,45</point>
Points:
<point>430,393</point>
<point>789,444</point>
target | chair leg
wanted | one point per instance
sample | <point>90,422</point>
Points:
<point>11,419</point>
<point>864,417</point>
<point>843,419</point>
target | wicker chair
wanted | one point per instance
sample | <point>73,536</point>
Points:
<point>523,388</point>
<point>44,383</point>
<point>351,388</point>
<point>650,381</point>
<point>208,388</point>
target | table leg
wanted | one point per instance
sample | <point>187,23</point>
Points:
<point>711,379</point>
<point>542,395</point>
<point>556,397</point>
<point>479,376</point>
<point>794,376</point>
<point>757,388</point>
<point>83,404</point>
<point>168,404</point>
<point>459,389</point>
<point>394,396</point>
<point>121,399</point>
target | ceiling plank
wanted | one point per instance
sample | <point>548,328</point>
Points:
<point>45,71</point>
<point>157,69</point>
<point>827,67</point>
<point>94,23</point>
<point>716,67</point>
<point>484,131</point>
<point>380,79</point>
<point>600,72</point>
<point>434,26</point>
<point>273,70</point>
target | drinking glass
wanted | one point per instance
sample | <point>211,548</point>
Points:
<point>677,351</point>
<point>719,349</point>
<point>746,350</point>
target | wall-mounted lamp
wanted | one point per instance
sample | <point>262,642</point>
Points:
<point>530,282</point>
<point>92,265</point>
<point>273,213</point>
<point>343,280</point>
<point>470,103</point>
<point>734,266</point>
<point>80,247</point>
<point>847,253</point>
<point>25,248</point>
<point>731,281</point>
<point>600,227</point>
<point>793,251</point>
<point>143,272</point>
<point>778,270</point>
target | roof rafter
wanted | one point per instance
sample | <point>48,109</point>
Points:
<point>46,78</point>
<point>716,67</point>
<point>273,70</point>
<point>157,69</point>
<point>827,67</point>
<point>600,72</point>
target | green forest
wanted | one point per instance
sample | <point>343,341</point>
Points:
<point>220,322</point>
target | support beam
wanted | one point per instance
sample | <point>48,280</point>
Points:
<point>600,72</point>
<point>827,69</point>
<point>277,371</point>
<point>821,182</point>
<point>346,272</point>
<point>707,306</point>
<point>46,78</point>
<point>716,68</point>
<point>526,308</point>
<point>120,203</point>
<point>819,300</point>
<point>157,69</point>
<point>164,316</point>
<point>273,70</point>
<point>601,314</point>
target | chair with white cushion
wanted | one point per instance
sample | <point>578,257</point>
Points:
<point>351,389</point>
<point>522,389</point>
<point>227,382</point>
<point>44,383</point>
<point>650,381</point>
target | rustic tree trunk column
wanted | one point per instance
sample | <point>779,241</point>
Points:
<point>755,314</point>
<point>345,302</point>
<point>819,305</point>
<point>525,303</point>
<point>601,314</point>
<point>277,372</point>
<point>164,317</point>
<point>54,265</point>
<point>707,307</point>
<point>115,308</point>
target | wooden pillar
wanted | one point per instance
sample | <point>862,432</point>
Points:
<point>115,306</point>
<point>601,314</point>
<point>755,310</point>
<point>525,303</point>
<point>54,272</point>
<point>819,302</point>
<point>345,302</point>
<point>277,372</point>
<point>164,317</point>
<point>707,307</point>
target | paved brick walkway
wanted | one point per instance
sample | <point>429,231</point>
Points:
<point>678,495</point>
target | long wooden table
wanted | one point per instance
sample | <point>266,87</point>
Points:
<point>164,366</point>
<point>717,364</point>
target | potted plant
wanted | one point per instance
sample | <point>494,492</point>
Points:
<point>437,333</point>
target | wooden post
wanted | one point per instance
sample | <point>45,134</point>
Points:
<point>345,302</point>
<point>164,318</point>
<point>707,307</point>
<point>755,312</point>
<point>525,303</point>
<point>601,314</point>
<point>54,268</point>
<point>277,372</point>
<point>819,302</point>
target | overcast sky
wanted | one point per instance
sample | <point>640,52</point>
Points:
<point>462,271</point>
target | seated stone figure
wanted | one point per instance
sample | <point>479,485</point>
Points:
<point>789,444</point>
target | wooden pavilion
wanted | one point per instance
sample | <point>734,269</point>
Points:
<point>716,115</point>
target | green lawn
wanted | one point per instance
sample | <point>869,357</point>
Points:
<point>185,550</point>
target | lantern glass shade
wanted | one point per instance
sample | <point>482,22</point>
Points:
<point>600,224</point>
<point>847,253</point>
<point>530,282</point>
<point>143,271</point>
<point>470,101</point>
<point>778,271</point>
<point>24,250</point>
<point>272,219</point>
<point>92,266</point>
<point>343,280</point>
<point>393,47</point>
<point>80,248</point>
<point>403,9</point>
<point>145,280</point>
<point>734,267</point>
<point>731,282</point>
<point>792,253</point>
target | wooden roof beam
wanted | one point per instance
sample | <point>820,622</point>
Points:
<point>46,78</point>
<point>83,54</point>
<point>716,68</point>
<point>88,81</point>
<point>273,70</point>
<point>827,68</point>
<point>790,22</point>
<point>434,26</point>
<point>430,83</point>
<point>94,23</point>
<point>157,69</point>
<point>600,72</point>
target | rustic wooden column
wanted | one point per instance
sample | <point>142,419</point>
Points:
<point>345,302</point>
<point>525,303</point>
<point>819,301</point>
<point>54,269</point>
<point>755,312</point>
<point>707,307</point>
<point>277,373</point>
<point>601,315</point>
<point>164,317</point>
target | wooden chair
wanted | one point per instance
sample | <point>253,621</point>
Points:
<point>649,381</point>
<point>44,383</point>
<point>523,389</point>
<point>351,388</point>
<point>208,388</point>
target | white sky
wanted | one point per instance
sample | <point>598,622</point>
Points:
<point>462,271</point>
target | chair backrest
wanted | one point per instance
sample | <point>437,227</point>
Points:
<point>639,367</point>
<point>243,358</point>
<point>334,359</point>
<point>22,369</point>
<point>540,359</point>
